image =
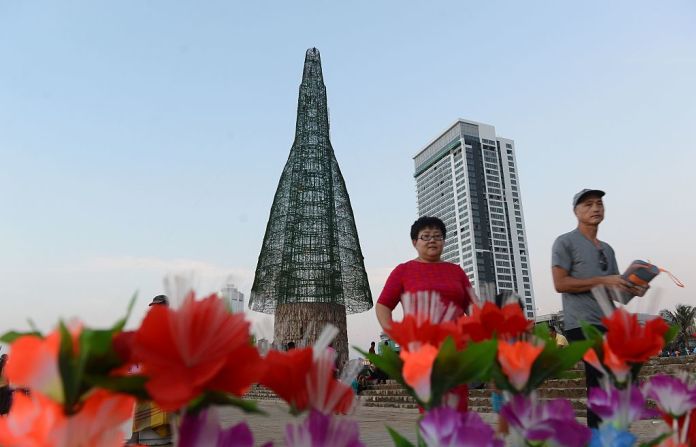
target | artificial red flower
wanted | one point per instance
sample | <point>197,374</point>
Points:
<point>489,321</point>
<point>418,368</point>
<point>305,382</point>
<point>99,421</point>
<point>516,323</point>
<point>690,430</point>
<point>616,365</point>
<point>591,358</point>
<point>32,421</point>
<point>516,360</point>
<point>237,375</point>
<point>200,346</point>
<point>286,375</point>
<point>38,421</point>
<point>632,342</point>
<point>326,394</point>
<point>122,343</point>
<point>670,442</point>
<point>33,363</point>
<point>410,335</point>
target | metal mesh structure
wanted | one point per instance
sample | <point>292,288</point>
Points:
<point>311,254</point>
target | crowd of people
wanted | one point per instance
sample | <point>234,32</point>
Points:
<point>678,352</point>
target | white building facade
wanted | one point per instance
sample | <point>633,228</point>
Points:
<point>468,177</point>
<point>234,297</point>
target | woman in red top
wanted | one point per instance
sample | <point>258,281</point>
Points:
<point>428,273</point>
<point>425,273</point>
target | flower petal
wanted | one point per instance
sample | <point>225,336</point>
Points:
<point>32,422</point>
<point>33,363</point>
<point>516,360</point>
<point>323,430</point>
<point>418,366</point>
<point>183,351</point>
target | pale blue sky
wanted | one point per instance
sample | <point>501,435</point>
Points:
<point>145,138</point>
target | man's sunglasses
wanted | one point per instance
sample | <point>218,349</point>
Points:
<point>603,261</point>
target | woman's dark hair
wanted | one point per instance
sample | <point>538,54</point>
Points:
<point>427,222</point>
<point>507,297</point>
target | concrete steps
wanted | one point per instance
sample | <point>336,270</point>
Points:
<point>392,395</point>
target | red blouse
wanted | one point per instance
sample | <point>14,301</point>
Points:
<point>445,278</point>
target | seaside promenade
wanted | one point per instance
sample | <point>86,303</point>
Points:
<point>372,422</point>
<point>389,404</point>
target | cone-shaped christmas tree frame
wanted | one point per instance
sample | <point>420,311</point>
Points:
<point>310,271</point>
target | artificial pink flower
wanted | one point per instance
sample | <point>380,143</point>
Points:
<point>319,430</point>
<point>673,396</point>
<point>447,427</point>
<point>204,429</point>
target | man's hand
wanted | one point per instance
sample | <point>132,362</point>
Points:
<point>618,281</point>
<point>638,290</point>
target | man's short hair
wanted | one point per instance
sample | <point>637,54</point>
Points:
<point>427,222</point>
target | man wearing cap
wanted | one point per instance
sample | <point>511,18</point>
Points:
<point>579,262</point>
<point>151,425</point>
<point>160,300</point>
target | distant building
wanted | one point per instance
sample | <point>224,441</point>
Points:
<point>554,319</point>
<point>233,297</point>
<point>468,177</point>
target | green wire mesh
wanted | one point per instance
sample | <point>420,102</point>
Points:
<point>311,252</point>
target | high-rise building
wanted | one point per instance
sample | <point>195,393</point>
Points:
<point>468,177</point>
<point>234,297</point>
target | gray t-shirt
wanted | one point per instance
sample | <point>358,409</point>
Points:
<point>577,255</point>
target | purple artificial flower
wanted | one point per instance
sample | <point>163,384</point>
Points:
<point>619,407</point>
<point>444,426</point>
<point>551,421</point>
<point>203,428</point>
<point>319,430</point>
<point>673,396</point>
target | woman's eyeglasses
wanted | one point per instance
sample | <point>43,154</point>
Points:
<point>428,238</point>
<point>603,261</point>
